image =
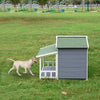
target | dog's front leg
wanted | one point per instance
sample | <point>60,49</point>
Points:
<point>30,71</point>
<point>25,70</point>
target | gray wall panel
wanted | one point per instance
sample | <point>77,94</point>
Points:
<point>72,63</point>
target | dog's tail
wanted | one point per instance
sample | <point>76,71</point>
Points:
<point>11,59</point>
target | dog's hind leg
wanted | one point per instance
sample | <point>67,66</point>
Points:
<point>25,70</point>
<point>11,69</point>
<point>17,70</point>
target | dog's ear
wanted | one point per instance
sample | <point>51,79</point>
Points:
<point>32,58</point>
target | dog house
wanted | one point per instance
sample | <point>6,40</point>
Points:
<point>71,58</point>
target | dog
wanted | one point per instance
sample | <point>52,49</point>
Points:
<point>24,64</point>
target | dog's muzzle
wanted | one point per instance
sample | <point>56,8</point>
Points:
<point>35,61</point>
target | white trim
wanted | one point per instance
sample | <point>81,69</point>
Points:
<point>57,65</point>
<point>70,36</point>
<point>56,40</point>
<point>46,54</point>
<point>53,64</point>
<point>48,64</point>
<point>50,74</point>
<point>40,69</point>
<point>44,74</point>
<point>87,67</point>
<point>87,41</point>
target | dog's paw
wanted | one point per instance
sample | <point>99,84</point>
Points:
<point>33,75</point>
<point>8,73</point>
<point>20,75</point>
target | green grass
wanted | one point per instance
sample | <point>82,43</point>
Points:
<point>21,37</point>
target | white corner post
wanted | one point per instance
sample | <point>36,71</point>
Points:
<point>57,65</point>
<point>87,58</point>
<point>40,69</point>
<point>87,66</point>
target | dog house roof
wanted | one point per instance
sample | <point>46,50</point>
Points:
<point>64,42</point>
<point>72,42</point>
<point>48,50</point>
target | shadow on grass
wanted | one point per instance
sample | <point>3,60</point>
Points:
<point>23,76</point>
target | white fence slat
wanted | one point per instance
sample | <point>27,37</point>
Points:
<point>50,74</point>
<point>53,64</point>
<point>44,74</point>
<point>48,64</point>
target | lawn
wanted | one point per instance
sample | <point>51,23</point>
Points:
<point>21,37</point>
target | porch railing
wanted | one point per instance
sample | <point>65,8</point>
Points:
<point>51,72</point>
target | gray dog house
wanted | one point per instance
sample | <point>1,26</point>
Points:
<point>71,58</point>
